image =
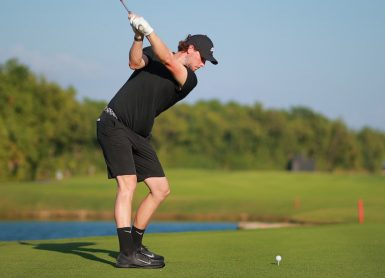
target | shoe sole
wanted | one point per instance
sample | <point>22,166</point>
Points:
<point>139,266</point>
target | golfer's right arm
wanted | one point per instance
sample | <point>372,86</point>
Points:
<point>136,59</point>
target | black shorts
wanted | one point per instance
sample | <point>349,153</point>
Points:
<point>126,152</point>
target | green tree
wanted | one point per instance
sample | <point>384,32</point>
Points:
<point>372,145</point>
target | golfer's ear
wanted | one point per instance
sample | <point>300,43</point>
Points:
<point>190,49</point>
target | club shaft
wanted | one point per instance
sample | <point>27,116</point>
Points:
<point>121,1</point>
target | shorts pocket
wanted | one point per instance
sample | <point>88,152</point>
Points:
<point>106,126</point>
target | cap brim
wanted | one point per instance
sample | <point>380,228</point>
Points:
<point>212,60</point>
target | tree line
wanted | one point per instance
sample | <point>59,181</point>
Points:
<point>45,130</point>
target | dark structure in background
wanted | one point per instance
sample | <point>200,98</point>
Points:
<point>301,163</point>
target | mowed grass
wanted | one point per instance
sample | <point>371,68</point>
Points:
<point>344,250</point>
<point>218,195</point>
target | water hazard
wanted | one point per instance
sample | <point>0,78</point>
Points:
<point>35,230</point>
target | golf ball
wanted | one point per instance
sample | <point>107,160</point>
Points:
<point>278,258</point>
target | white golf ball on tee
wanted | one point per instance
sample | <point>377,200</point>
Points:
<point>278,258</point>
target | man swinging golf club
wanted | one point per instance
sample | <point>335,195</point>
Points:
<point>160,79</point>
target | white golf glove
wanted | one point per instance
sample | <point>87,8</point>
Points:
<point>141,25</point>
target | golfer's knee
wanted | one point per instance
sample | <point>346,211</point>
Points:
<point>126,184</point>
<point>161,192</point>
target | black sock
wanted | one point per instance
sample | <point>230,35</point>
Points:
<point>137,236</point>
<point>126,243</point>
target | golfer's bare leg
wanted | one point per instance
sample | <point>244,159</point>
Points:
<point>123,203</point>
<point>159,190</point>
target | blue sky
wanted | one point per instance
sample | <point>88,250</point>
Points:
<point>326,55</point>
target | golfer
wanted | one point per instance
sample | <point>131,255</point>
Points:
<point>160,79</point>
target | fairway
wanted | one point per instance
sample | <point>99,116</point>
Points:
<point>344,249</point>
<point>209,195</point>
<point>348,250</point>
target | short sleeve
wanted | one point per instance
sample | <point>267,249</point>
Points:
<point>189,85</point>
<point>149,52</point>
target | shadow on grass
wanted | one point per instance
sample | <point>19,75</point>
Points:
<point>76,248</point>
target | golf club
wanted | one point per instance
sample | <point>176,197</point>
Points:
<point>122,1</point>
<point>129,12</point>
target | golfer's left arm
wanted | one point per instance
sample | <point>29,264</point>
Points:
<point>166,57</point>
<point>137,59</point>
<point>141,26</point>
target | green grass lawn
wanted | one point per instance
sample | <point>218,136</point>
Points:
<point>344,250</point>
<point>221,195</point>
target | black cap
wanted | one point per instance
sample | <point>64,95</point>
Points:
<point>204,45</point>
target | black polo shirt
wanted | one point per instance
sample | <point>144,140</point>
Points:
<point>147,93</point>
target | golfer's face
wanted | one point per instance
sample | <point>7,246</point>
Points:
<point>196,61</point>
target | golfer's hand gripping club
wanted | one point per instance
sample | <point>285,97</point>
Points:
<point>139,24</point>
